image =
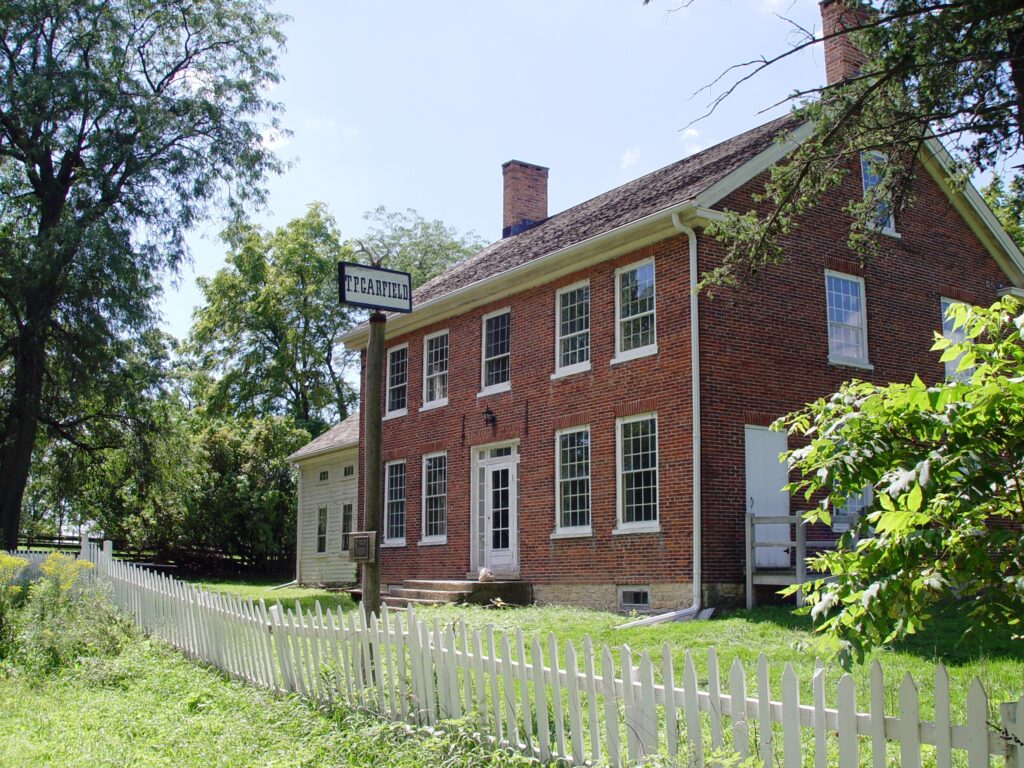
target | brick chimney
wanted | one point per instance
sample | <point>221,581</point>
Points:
<point>526,196</point>
<point>843,59</point>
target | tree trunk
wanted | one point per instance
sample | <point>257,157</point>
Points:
<point>22,421</point>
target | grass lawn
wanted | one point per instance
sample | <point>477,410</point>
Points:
<point>774,631</point>
<point>151,707</point>
<point>264,589</point>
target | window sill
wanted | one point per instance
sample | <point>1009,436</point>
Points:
<point>634,354</point>
<point>395,414</point>
<point>625,529</point>
<point>495,389</point>
<point>432,541</point>
<point>887,231</point>
<point>392,544</point>
<point>570,370</point>
<point>572,533</point>
<point>441,403</point>
<point>849,362</point>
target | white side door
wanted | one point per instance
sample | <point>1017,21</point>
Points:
<point>766,476</point>
<point>495,497</point>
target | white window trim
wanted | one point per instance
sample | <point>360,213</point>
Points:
<point>645,526</point>
<point>867,496</point>
<point>850,362</point>
<point>574,531</point>
<point>427,541</point>
<point>320,476</point>
<point>568,370</point>
<point>504,386</point>
<point>387,383</point>
<point>441,401</point>
<point>651,349</point>
<point>385,541</point>
<point>877,157</point>
<point>951,365</point>
<point>633,588</point>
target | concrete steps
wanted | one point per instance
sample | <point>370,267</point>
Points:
<point>440,591</point>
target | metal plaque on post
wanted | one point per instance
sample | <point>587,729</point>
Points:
<point>361,546</point>
<point>387,290</point>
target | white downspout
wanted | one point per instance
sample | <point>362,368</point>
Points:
<point>298,525</point>
<point>694,608</point>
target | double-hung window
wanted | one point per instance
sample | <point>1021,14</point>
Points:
<point>635,334</point>
<point>954,333</point>
<point>398,381</point>
<point>845,517</point>
<point>572,482</point>
<point>435,370</point>
<point>495,363</point>
<point>347,521</point>
<point>435,498</point>
<point>871,165</point>
<point>572,329</point>
<point>847,320</point>
<point>637,476</point>
<point>321,530</point>
<point>394,504</point>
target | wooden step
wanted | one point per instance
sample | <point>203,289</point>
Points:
<point>440,595</point>
<point>394,601</point>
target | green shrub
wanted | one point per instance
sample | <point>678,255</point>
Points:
<point>12,594</point>
<point>66,617</point>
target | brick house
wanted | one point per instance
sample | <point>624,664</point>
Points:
<point>546,399</point>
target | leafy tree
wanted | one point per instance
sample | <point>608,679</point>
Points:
<point>121,122</point>
<point>935,69</point>
<point>408,242</point>
<point>1007,203</point>
<point>946,466</point>
<point>265,341</point>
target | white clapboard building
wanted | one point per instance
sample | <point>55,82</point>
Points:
<point>328,494</point>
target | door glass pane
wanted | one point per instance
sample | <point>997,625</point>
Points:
<point>500,509</point>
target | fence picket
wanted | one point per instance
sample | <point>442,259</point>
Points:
<point>910,729</point>
<point>714,699</point>
<point>846,704</point>
<point>791,751</point>
<point>524,692</point>
<point>877,710</point>
<point>540,701</point>
<point>492,675</point>
<point>668,685</point>
<point>556,694</point>
<point>572,686</point>
<point>943,731</point>
<point>691,711</point>
<point>509,693</point>
<point>591,689</point>
<point>820,723</point>
<point>628,705</point>
<point>481,683</point>
<point>400,680</point>
<point>764,699</point>
<point>611,708</point>
<point>648,720</point>
<point>977,725</point>
<point>738,709</point>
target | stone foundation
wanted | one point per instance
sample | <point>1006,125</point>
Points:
<point>723,595</point>
<point>605,597</point>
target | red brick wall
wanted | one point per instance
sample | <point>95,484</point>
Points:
<point>525,193</point>
<point>764,352</point>
<point>534,408</point>
<point>765,349</point>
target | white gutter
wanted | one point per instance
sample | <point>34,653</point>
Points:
<point>694,608</point>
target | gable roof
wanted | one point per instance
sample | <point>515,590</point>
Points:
<point>641,212</point>
<point>344,434</point>
<point>683,180</point>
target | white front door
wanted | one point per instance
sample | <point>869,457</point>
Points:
<point>766,476</point>
<point>496,486</point>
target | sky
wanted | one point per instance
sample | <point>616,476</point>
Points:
<point>412,104</point>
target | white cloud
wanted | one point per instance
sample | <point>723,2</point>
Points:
<point>689,137</point>
<point>629,157</point>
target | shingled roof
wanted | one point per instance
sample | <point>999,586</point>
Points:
<point>648,194</point>
<point>344,434</point>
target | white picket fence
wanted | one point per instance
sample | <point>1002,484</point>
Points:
<point>556,701</point>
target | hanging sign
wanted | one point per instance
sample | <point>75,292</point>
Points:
<point>374,287</point>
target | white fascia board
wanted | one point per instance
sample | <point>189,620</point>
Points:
<point>753,167</point>
<point>325,453</point>
<point>594,250</point>
<point>975,211</point>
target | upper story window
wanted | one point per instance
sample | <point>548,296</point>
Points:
<point>348,470</point>
<point>954,333</point>
<point>398,381</point>
<point>321,530</point>
<point>495,365</point>
<point>435,498</point>
<point>847,320</point>
<point>394,503</point>
<point>846,516</point>
<point>634,311</point>
<point>871,165</point>
<point>572,329</point>
<point>435,370</point>
<point>324,475</point>
<point>572,482</point>
<point>637,476</point>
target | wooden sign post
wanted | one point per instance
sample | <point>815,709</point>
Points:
<point>379,290</point>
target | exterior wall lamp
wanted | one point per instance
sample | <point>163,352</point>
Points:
<point>490,419</point>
